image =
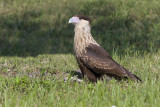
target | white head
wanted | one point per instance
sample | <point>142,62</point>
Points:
<point>80,21</point>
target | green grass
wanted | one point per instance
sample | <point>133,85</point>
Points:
<point>33,27</point>
<point>36,52</point>
<point>19,88</point>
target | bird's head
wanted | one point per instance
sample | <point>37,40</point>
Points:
<point>80,20</point>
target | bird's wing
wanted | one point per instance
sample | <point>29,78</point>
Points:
<point>97,59</point>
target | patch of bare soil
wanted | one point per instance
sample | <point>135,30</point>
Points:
<point>39,73</point>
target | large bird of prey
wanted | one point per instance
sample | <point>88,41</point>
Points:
<point>94,62</point>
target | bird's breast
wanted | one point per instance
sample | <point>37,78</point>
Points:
<point>82,39</point>
<point>80,43</point>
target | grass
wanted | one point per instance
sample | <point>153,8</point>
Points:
<point>36,52</point>
<point>20,85</point>
<point>33,27</point>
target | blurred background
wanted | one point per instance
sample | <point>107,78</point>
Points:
<point>33,27</point>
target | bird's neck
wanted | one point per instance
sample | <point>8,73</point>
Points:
<point>82,39</point>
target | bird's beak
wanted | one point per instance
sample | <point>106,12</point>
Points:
<point>74,20</point>
<point>70,20</point>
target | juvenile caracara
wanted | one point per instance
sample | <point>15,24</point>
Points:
<point>94,62</point>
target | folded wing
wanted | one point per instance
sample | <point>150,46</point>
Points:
<point>97,59</point>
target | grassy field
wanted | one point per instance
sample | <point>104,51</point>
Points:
<point>36,52</point>
<point>39,81</point>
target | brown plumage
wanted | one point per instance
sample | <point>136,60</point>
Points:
<point>95,63</point>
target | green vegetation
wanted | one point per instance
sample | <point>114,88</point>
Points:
<point>36,52</point>
<point>34,27</point>
<point>39,81</point>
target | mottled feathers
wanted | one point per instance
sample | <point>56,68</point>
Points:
<point>97,59</point>
<point>94,62</point>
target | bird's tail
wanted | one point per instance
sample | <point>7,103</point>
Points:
<point>134,77</point>
<point>137,78</point>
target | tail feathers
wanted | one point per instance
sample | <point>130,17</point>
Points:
<point>134,77</point>
<point>138,78</point>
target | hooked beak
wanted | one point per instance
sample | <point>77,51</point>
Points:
<point>70,20</point>
<point>74,20</point>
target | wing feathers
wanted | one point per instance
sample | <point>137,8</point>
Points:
<point>97,59</point>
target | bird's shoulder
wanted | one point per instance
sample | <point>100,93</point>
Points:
<point>97,59</point>
<point>95,50</point>
<point>96,56</point>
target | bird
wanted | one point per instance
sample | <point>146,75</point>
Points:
<point>94,62</point>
